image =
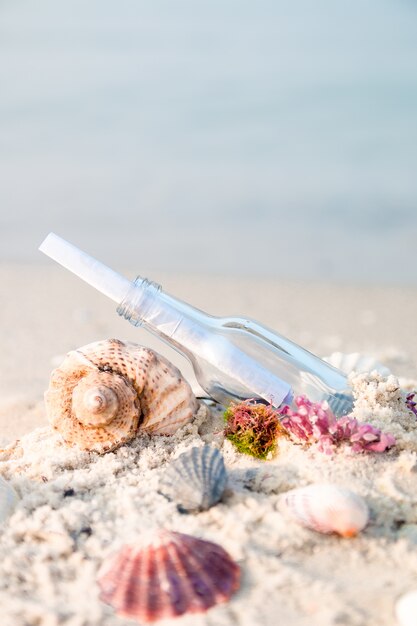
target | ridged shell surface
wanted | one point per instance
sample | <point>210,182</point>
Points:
<point>406,609</point>
<point>327,508</point>
<point>173,575</point>
<point>104,392</point>
<point>196,479</point>
<point>8,499</point>
<point>356,362</point>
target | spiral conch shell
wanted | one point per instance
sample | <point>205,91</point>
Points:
<point>103,393</point>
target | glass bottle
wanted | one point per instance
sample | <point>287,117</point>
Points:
<point>233,357</point>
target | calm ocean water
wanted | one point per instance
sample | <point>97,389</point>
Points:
<point>275,138</point>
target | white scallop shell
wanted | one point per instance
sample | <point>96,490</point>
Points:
<point>8,499</point>
<point>356,362</point>
<point>406,609</point>
<point>327,508</point>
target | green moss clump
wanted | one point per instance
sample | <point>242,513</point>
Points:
<point>253,428</point>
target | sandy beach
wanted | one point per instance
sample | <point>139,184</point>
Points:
<point>52,545</point>
<point>255,159</point>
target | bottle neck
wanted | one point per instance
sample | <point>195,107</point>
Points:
<point>139,301</point>
<point>147,305</point>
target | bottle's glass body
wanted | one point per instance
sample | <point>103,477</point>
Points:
<point>236,358</point>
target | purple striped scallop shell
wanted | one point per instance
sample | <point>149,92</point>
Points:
<point>327,508</point>
<point>173,575</point>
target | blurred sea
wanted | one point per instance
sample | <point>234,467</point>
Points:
<point>274,137</point>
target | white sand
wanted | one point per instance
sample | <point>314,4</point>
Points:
<point>53,544</point>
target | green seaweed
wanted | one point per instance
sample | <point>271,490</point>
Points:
<point>253,428</point>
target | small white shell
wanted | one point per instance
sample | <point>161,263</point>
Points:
<point>327,508</point>
<point>356,362</point>
<point>8,499</point>
<point>406,609</point>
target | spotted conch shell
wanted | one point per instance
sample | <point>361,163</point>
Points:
<point>103,393</point>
